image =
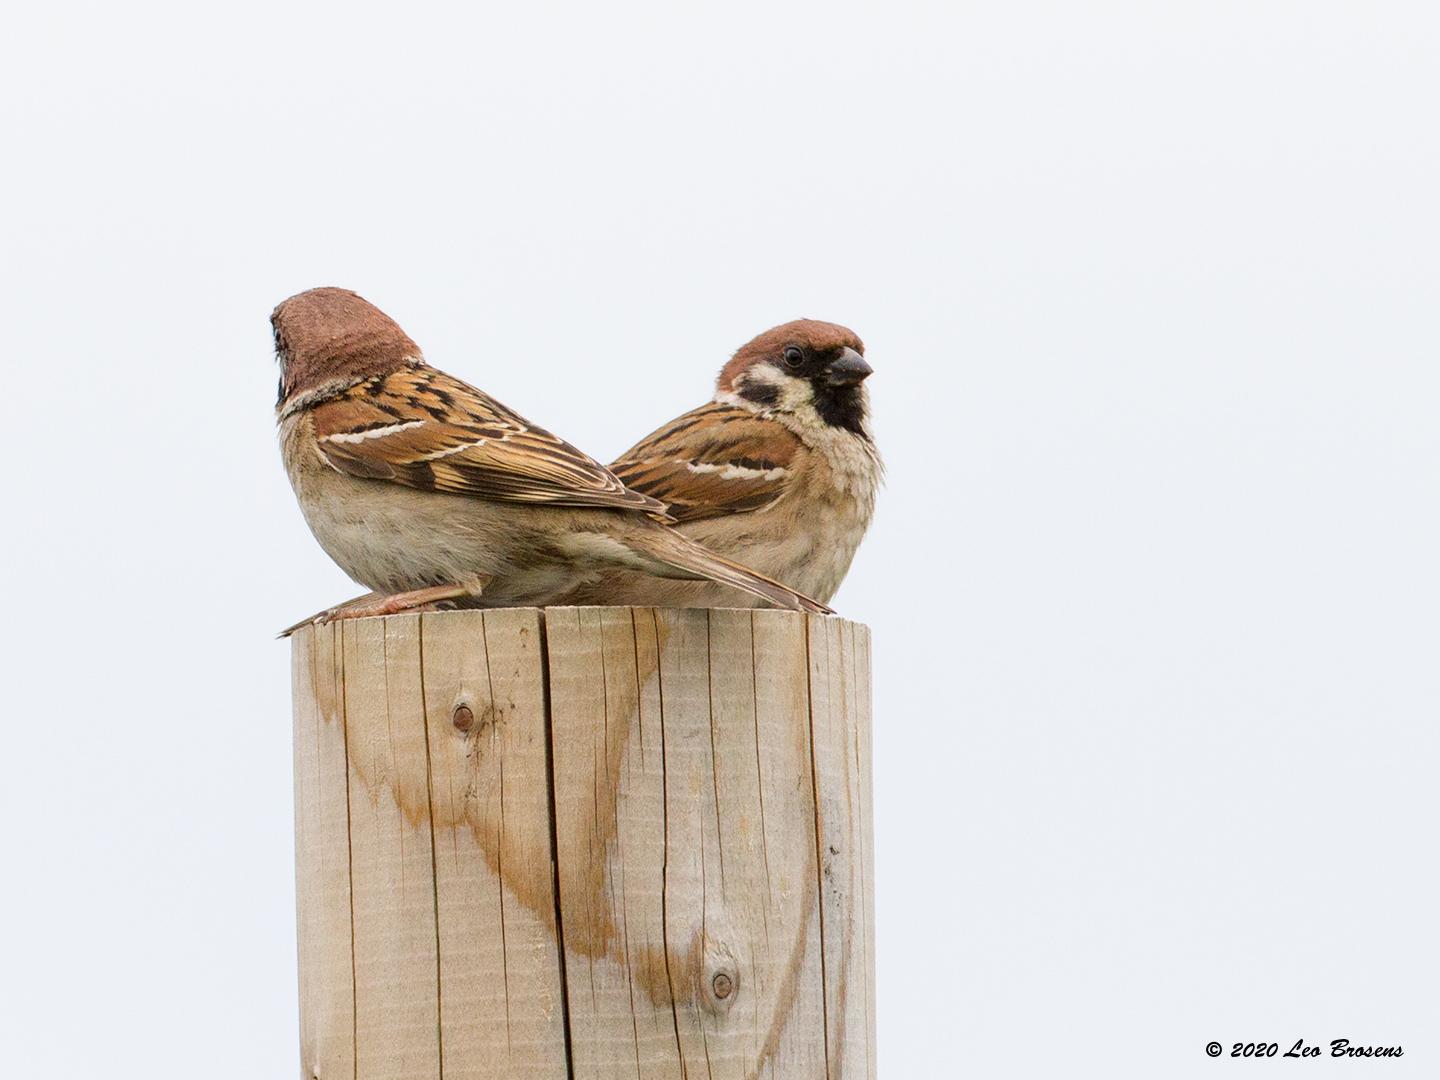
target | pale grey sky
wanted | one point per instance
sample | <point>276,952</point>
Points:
<point>1150,291</point>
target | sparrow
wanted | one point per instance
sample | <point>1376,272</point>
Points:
<point>425,489</point>
<point>778,471</point>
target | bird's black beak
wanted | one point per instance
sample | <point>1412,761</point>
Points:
<point>847,369</point>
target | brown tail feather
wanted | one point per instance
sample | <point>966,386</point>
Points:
<point>695,560</point>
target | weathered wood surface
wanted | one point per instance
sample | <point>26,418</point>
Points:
<point>588,843</point>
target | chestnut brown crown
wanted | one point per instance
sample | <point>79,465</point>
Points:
<point>818,342</point>
<point>328,335</point>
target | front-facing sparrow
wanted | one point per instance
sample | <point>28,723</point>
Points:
<point>779,470</point>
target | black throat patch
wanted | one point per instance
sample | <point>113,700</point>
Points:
<point>840,406</point>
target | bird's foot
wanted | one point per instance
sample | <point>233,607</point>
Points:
<point>414,600</point>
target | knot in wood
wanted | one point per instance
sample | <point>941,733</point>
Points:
<point>719,973</point>
<point>463,718</point>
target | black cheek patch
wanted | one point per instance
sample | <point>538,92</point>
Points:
<point>760,393</point>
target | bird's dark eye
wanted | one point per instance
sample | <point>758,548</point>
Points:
<point>794,356</point>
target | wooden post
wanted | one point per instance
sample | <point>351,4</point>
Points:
<point>585,843</point>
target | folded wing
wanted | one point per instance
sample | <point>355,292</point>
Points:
<point>425,429</point>
<point>715,460</point>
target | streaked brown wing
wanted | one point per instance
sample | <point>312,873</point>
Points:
<point>428,430</point>
<point>715,460</point>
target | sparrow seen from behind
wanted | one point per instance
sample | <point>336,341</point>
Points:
<point>425,489</point>
<point>778,471</point>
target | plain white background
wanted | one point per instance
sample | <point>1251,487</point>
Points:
<point>1151,294</point>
